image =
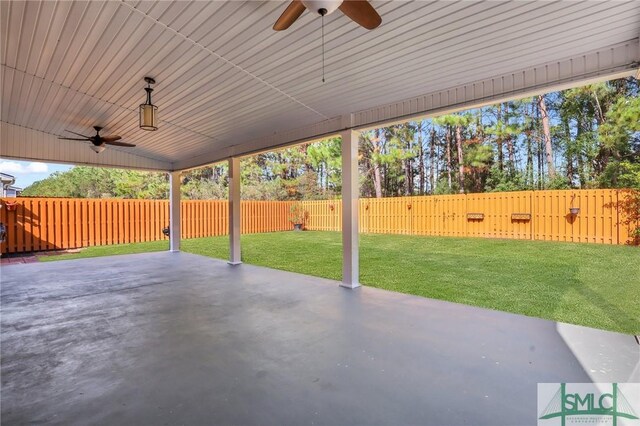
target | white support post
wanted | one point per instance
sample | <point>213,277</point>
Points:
<point>234,211</point>
<point>174,211</point>
<point>350,194</point>
<point>638,60</point>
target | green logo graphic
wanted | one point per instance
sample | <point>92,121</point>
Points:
<point>564,404</point>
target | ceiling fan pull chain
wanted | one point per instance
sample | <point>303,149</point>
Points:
<point>323,48</point>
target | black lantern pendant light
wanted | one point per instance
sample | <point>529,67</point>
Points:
<point>148,111</point>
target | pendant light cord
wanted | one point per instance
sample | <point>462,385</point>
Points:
<point>323,48</point>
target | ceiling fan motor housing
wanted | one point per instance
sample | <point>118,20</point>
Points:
<point>319,6</point>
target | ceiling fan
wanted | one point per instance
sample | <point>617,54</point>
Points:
<point>360,11</point>
<point>98,142</point>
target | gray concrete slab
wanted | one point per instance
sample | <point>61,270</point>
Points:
<point>174,338</point>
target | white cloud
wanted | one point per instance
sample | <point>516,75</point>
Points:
<point>36,167</point>
<point>13,167</point>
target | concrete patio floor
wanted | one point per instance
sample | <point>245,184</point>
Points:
<point>174,338</point>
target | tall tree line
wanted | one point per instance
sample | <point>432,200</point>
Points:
<point>588,137</point>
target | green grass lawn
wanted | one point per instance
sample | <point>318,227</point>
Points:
<point>587,284</point>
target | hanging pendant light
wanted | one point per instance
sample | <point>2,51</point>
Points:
<point>148,111</point>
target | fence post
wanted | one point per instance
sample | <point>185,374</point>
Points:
<point>617,216</point>
<point>464,217</point>
<point>533,215</point>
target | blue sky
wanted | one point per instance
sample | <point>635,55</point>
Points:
<point>27,172</point>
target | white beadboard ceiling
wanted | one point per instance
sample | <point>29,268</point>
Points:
<point>225,78</point>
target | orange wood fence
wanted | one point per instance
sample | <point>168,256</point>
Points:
<point>532,215</point>
<point>37,224</point>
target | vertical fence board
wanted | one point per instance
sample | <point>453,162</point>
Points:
<point>27,231</point>
<point>52,233</point>
<point>11,231</point>
<point>35,225</point>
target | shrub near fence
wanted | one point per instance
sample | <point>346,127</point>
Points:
<point>36,224</point>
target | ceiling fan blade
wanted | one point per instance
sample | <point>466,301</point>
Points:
<point>74,139</point>
<point>361,12</point>
<point>289,16</point>
<point>77,134</point>
<point>128,145</point>
<point>111,138</point>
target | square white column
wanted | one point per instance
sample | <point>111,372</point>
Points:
<point>350,195</point>
<point>174,211</point>
<point>234,211</point>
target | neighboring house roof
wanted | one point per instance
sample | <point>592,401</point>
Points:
<point>7,179</point>
<point>10,191</point>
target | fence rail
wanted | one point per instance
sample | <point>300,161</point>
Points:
<point>36,224</point>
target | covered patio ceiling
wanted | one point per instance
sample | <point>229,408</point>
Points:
<point>229,85</point>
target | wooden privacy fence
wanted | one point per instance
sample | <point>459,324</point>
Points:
<point>37,224</point>
<point>532,215</point>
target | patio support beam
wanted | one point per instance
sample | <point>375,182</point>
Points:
<point>174,211</point>
<point>234,211</point>
<point>350,194</point>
